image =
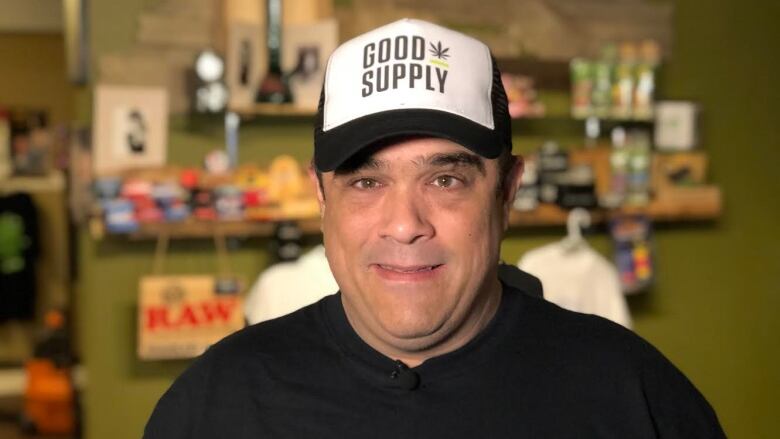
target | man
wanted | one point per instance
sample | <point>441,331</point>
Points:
<point>415,179</point>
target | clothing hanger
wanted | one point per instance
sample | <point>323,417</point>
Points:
<point>578,219</point>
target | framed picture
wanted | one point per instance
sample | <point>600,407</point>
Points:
<point>246,60</point>
<point>130,128</point>
<point>305,52</point>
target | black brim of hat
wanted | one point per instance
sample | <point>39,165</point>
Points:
<point>340,143</point>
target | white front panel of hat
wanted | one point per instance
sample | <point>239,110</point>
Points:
<point>409,64</point>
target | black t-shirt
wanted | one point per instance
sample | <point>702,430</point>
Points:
<point>536,371</point>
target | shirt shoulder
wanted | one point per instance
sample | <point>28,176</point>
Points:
<point>256,359</point>
<point>596,356</point>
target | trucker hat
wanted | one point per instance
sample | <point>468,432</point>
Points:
<point>410,77</point>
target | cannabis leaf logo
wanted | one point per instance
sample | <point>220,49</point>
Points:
<point>439,51</point>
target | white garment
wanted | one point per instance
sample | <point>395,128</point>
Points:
<point>289,286</point>
<point>579,279</point>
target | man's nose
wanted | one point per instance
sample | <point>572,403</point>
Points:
<point>404,217</point>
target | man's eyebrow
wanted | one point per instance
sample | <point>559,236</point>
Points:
<point>456,159</point>
<point>360,165</point>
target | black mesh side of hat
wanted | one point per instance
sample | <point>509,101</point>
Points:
<point>501,120</point>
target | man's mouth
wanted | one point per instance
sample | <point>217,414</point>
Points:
<point>409,268</point>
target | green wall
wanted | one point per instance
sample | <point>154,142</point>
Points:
<point>712,310</point>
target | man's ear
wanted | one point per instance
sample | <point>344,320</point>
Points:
<point>317,188</point>
<point>512,185</point>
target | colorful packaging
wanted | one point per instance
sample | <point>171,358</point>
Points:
<point>644,92</point>
<point>632,239</point>
<point>623,85</point>
<point>581,88</point>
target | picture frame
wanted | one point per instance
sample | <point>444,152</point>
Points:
<point>305,52</point>
<point>130,128</point>
<point>247,56</point>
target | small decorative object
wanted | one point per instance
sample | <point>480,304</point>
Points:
<point>527,196</point>
<point>576,188</point>
<point>581,88</point>
<point>246,57</point>
<point>147,211</point>
<point>675,127</point>
<point>211,95</point>
<point>274,87</point>
<point>286,179</point>
<point>130,129</point>
<point>31,143</point>
<point>644,92</point>
<point>203,205</point>
<point>107,188</point>
<point>623,83</point>
<point>120,216</point>
<point>217,162</point>
<point>522,96</point>
<point>176,211</point>
<point>305,51</point>
<point>633,252</point>
<point>189,178</point>
<point>553,162</point>
<point>229,203</point>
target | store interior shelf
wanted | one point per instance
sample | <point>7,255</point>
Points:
<point>267,109</point>
<point>695,209</point>
<point>688,210</point>
<point>547,74</point>
<point>206,229</point>
<point>51,182</point>
<point>565,125</point>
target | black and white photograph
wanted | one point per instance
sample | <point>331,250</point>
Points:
<point>130,128</point>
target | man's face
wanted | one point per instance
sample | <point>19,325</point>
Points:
<point>412,236</point>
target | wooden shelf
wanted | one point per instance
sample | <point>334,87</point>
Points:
<point>206,229</point>
<point>273,110</point>
<point>52,182</point>
<point>692,209</point>
<point>547,75</point>
<point>699,208</point>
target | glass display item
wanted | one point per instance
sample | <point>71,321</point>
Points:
<point>274,87</point>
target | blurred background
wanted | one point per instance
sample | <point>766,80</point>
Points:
<point>153,195</point>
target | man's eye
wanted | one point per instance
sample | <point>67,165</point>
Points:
<point>365,183</point>
<point>446,181</point>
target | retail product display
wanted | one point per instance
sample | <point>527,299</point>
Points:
<point>630,164</point>
<point>211,94</point>
<point>32,143</point>
<point>247,193</point>
<point>527,196</point>
<point>576,277</point>
<point>676,125</point>
<point>274,86</point>
<point>180,316</point>
<point>50,395</point>
<point>553,162</point>
<point>618,85</point>
<point>633,252</point>
<point>522,96</point>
